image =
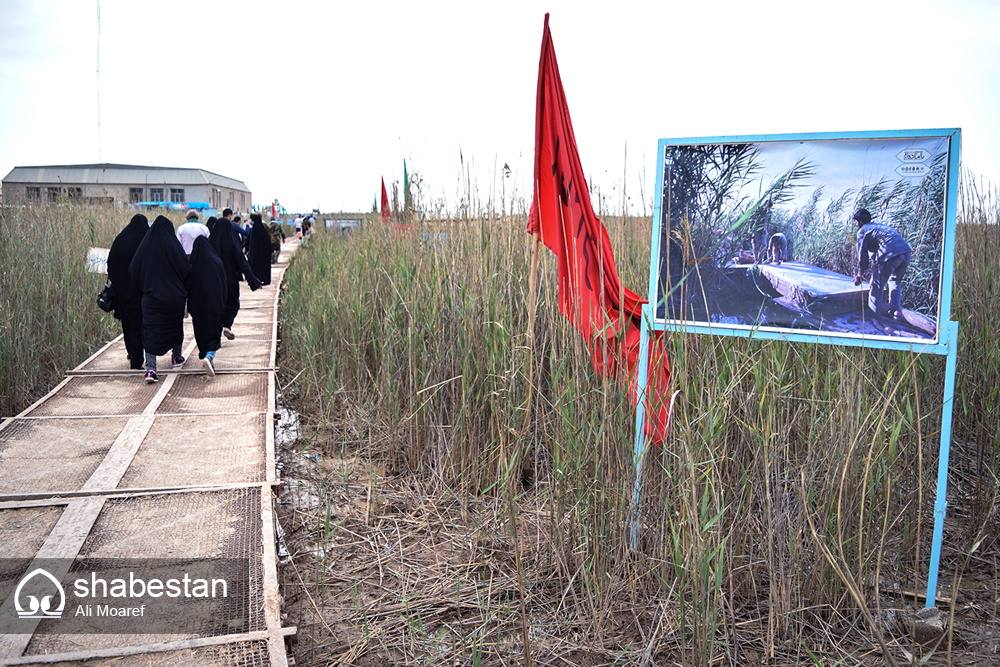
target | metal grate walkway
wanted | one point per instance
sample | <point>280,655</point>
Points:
<point>105,466</point>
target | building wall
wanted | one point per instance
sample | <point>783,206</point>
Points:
<point>127,194</point>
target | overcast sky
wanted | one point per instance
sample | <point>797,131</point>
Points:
<point>313,103</point>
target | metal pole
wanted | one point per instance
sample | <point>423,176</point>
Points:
<point>941,502</point>
<point>640,421</point>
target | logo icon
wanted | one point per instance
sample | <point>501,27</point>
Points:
<point>39,608</point>
<point>914,155</point>
<point>912,170</point>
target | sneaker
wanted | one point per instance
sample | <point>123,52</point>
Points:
<point>177,361</point>
<point>151,377</point>
<point>209,367</point>
<point>228,333</point>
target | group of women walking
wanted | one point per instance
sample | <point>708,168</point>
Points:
<point>153,280</point>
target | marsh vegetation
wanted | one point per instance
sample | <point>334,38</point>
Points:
<point>786,520</point>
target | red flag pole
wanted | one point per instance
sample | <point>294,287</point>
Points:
<point>532,307</point>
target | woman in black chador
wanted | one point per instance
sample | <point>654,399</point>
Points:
<point>126,294</point>
<point>259,256</point>
<point>234,263</point>
<point>160,269</point>
<point>206,301</point>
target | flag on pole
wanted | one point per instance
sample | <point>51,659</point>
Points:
<point>407,202</point>
<point>386,211</point>
<point>607,314</point>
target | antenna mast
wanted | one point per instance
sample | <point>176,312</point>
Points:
<point>99,80</point>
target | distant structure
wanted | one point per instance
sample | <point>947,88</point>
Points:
<point>125,184</point>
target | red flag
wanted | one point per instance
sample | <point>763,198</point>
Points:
<point>386,211</point>
<point>590,292</point>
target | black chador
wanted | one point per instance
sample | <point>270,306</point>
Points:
<point>234,263</point>
<point>259,255</point>
<point>160,269</point>
<point>127,295</point>
<point>206,296</point>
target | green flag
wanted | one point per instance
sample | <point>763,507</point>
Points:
<point>407,202</point>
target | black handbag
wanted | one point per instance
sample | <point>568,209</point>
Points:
<point>104,300</point>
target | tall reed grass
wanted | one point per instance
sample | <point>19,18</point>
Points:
<point>51,320</point>
<point>796,487</point>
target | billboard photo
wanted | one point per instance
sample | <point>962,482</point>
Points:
<point>840,234</point>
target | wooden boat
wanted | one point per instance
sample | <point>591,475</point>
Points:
<point>827,296</point>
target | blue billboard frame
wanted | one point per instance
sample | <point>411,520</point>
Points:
<point>944,343</point>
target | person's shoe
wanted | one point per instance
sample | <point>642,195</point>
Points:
<point>209,367</point>
<point>228,333</point>
<point>177,361</point>
<point>151,377</point>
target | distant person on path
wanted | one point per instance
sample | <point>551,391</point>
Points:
<point>882,249</point>
<point>127,295</point>
<point>244,231</point>
<point>259,254</point>
<point>191,230</point>
<point>227,214</point>
<point>160,268</point>
<point>234,263</point>
<point>277,237</point>
<point>307,232</point>
<point>206,301</point>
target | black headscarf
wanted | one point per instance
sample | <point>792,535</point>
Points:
<point>227,247</point>
<point>160,269</point>
<point>206,296</point>
<point>127,294</point>
<point>259,256</point>
<point>210,223</point>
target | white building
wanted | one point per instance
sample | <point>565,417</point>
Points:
<point>125,184</point>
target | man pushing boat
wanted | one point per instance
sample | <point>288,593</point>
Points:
<point>887,254</point>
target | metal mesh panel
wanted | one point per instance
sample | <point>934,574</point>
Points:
<point>84,396</point>
<point>245,331</point>
<point>253,316</point>
<point>199,394</point>
<point>243,355</point>
<point>53,455</point>
<point>193,526</point>
<point>220,524</point>
<point>255,301</point>
<point>191,451</point>
<point>209,524</point>
<point>115,358</point>
<point>240,654</point>
<point>22,532</point>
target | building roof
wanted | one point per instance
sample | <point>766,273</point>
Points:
<point>121,174</point>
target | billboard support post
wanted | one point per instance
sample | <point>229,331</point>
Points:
<point>642,382</point>
<point>941,501</point>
